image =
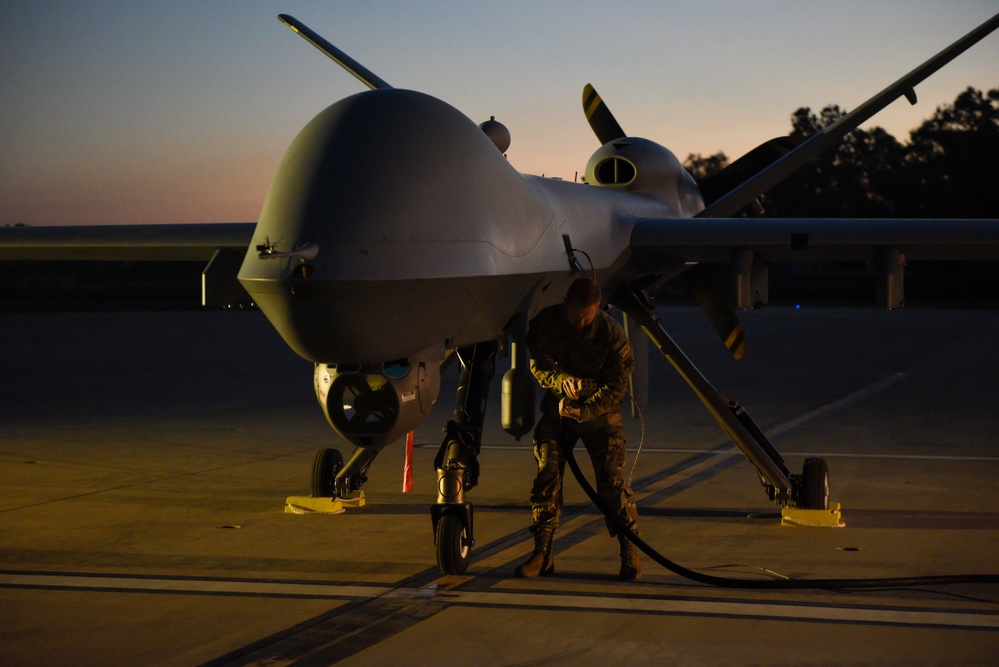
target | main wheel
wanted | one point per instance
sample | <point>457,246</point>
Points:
<point>452,545</point>
<point>814,485</point>
<point>325,466</point>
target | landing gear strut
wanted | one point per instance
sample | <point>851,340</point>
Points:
<point>810,490</point>
<point>457,461</point>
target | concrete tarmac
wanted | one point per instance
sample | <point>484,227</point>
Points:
<point>146,458</point>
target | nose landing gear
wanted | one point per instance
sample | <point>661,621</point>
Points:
<point>452,516</point>
<point>457,461</point>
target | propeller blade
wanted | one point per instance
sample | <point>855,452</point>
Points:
<point>714,304</point>
<point>599,116</point>
<point>717,185</point>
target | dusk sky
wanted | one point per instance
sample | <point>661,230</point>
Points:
<point>175,111</point>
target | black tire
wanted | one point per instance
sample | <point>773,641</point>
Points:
<point>325,466</point>
<point>452,545</point>
<point>814,485</point>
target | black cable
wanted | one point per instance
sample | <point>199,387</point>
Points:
<point>593,272</point>
<point>725,582</point>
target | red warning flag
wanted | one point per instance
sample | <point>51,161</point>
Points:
<point>407,471</point>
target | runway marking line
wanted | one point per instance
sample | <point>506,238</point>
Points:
<point>716,457</point>
<point>841,403</point>
<point>842,455</point>
<point>968,619</point>
<point>185,585</point>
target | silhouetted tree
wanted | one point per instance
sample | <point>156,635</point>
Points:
<point>953,160</point>
<point>871,162</point>
<point>950,168</point>
<point>813,190</point>
<point>858,178</point>
<point>701,167</point>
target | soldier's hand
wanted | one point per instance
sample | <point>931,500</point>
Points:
<point>569,387</point>
<point>567,408</point>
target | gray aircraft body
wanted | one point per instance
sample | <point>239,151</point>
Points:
<point>396,237</point>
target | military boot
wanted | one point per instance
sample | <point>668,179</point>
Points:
<point>631,567</point>
<point>541,562</point>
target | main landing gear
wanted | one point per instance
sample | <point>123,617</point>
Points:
<point>809,490</point>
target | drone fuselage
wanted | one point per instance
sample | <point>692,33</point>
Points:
<point>394,229</point>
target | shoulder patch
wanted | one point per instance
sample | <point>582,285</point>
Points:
<point>624,350</point>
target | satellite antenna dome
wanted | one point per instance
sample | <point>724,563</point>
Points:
<point>497,133</point>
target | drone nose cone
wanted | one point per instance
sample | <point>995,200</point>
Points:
<point>384,166</point>
<point>391,187</point>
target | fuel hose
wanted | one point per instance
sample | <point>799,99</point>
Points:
<point>772,584</point>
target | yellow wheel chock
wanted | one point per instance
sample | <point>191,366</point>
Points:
<point>827,518</point>
<point>310,505</point>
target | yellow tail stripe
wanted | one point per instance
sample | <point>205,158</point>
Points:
<point>736,342</point>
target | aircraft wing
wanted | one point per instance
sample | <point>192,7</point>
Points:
<point>181,242</point>
<point>783,167</point>
<point>747,245</point>
<point>654,241</point>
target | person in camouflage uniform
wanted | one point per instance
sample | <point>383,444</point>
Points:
<point>582,357</point>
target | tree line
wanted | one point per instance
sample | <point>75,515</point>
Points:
<point>949,168</point>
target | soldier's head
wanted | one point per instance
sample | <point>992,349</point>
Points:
<point>582,303</point>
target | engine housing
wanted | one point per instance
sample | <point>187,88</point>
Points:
<point>374,405</point>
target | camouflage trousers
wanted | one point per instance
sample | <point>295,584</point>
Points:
<point>604,442</point>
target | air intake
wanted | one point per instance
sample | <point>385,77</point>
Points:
<point>614,171</point>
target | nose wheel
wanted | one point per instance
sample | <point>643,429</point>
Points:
<point>453,545</point>
<point>452,521</point>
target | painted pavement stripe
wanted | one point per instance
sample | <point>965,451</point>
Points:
<point>208,586</point>
<point>838,455</point>
<point>726,608</point>
<point>591,603</point>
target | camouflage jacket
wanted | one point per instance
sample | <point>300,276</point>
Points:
<point>599,352</point>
